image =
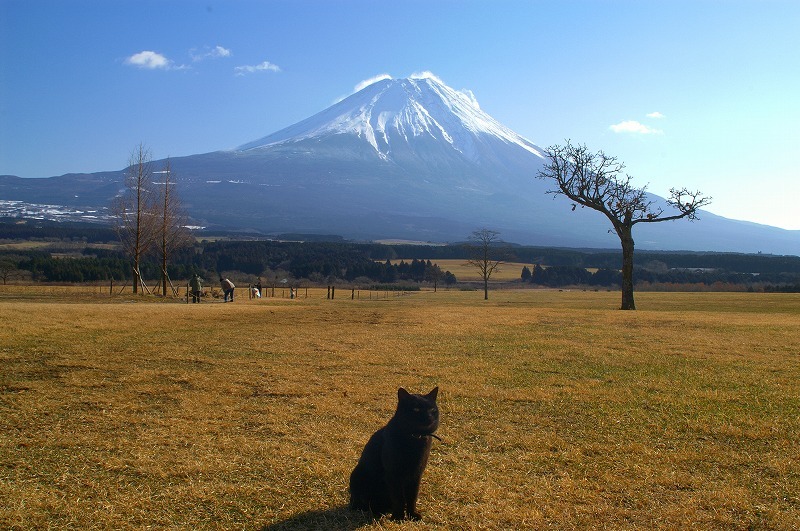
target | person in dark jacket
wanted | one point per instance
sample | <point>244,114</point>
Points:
<point>227,288</point>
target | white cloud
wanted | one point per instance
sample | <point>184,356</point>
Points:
<point>634,127</point>
<point>148,60</point>
<point>367,82</point>
<point>209,53</point>
<point>657,115</point>
<point>219,51</point>
<point>427,74</point>
<point>266,66</point>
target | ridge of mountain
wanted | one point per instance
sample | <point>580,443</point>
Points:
<point>399,159</point>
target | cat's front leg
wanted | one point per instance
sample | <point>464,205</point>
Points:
<point>397,501</point>
<point>399,513</point>
<point>411,496</point>
<point>412,509</point>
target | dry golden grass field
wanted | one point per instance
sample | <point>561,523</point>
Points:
<point>557,410</point>
<point>507,271</point>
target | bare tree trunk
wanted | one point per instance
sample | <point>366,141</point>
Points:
<point>136,278</point>
<point>481,251</point>
<point>627,270</point>
<point>164,275</point>
<point>172,231</point>
<point>137,249</point>
<point>135,211</point>
<point>163,230</point>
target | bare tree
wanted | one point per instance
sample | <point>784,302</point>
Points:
<point>135,211</point>
<point>484,255</point>
<point>172,231</point>
<point>595,180</point>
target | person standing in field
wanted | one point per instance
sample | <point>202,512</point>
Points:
<point>227,288</point>
<point>196,287</point>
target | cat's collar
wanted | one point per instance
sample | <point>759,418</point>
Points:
<point>422,435</point>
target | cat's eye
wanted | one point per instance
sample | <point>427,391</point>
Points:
<point>416,410</point>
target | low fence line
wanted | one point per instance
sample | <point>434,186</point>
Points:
<point>273,292</point>
<point>211,293</point>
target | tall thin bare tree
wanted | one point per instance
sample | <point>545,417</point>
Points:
<point>485,255</point>
<point>135,211</point>
<point>172,231</point>
<point>596,180</point>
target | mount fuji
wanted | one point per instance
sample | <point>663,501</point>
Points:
<point>405,159</point>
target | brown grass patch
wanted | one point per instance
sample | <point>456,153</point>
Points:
<point>557,410</point>
<point>506,272</point>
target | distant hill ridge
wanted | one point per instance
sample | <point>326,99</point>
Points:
<point>400,159</point>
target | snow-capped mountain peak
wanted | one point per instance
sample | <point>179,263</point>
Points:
<point>397,159</point>
<point>390,111</point>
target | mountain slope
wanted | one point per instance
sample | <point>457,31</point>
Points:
<point>402,158</point>
<point>399,112</point>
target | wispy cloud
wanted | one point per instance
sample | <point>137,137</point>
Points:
<point>266,66</point>
<point>471,97</point>
<point>209,53</point>
<point>367,82</point>
<point>657,115</point>
<point>427,74</point>
<point>149,60</point>
<point>634,127</point>
<point>361,85</point>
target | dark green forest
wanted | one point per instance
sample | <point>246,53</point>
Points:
<point>84,253</point>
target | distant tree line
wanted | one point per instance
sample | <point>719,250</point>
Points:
<point>316,261</point>
<point>562,276</point>
<point>41,230</point>
<point>322,261</point>
<point>44,267</point>
<point>271,261</point>
<point>605,259</point>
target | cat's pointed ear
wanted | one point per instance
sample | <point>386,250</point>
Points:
<point>432,394</point>
<point>402,394</point>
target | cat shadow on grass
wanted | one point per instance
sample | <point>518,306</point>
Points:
<point>339,518</point>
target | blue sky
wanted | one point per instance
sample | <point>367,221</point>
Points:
<point>702,93</point>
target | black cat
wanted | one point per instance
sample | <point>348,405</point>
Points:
<point>388,473</point>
